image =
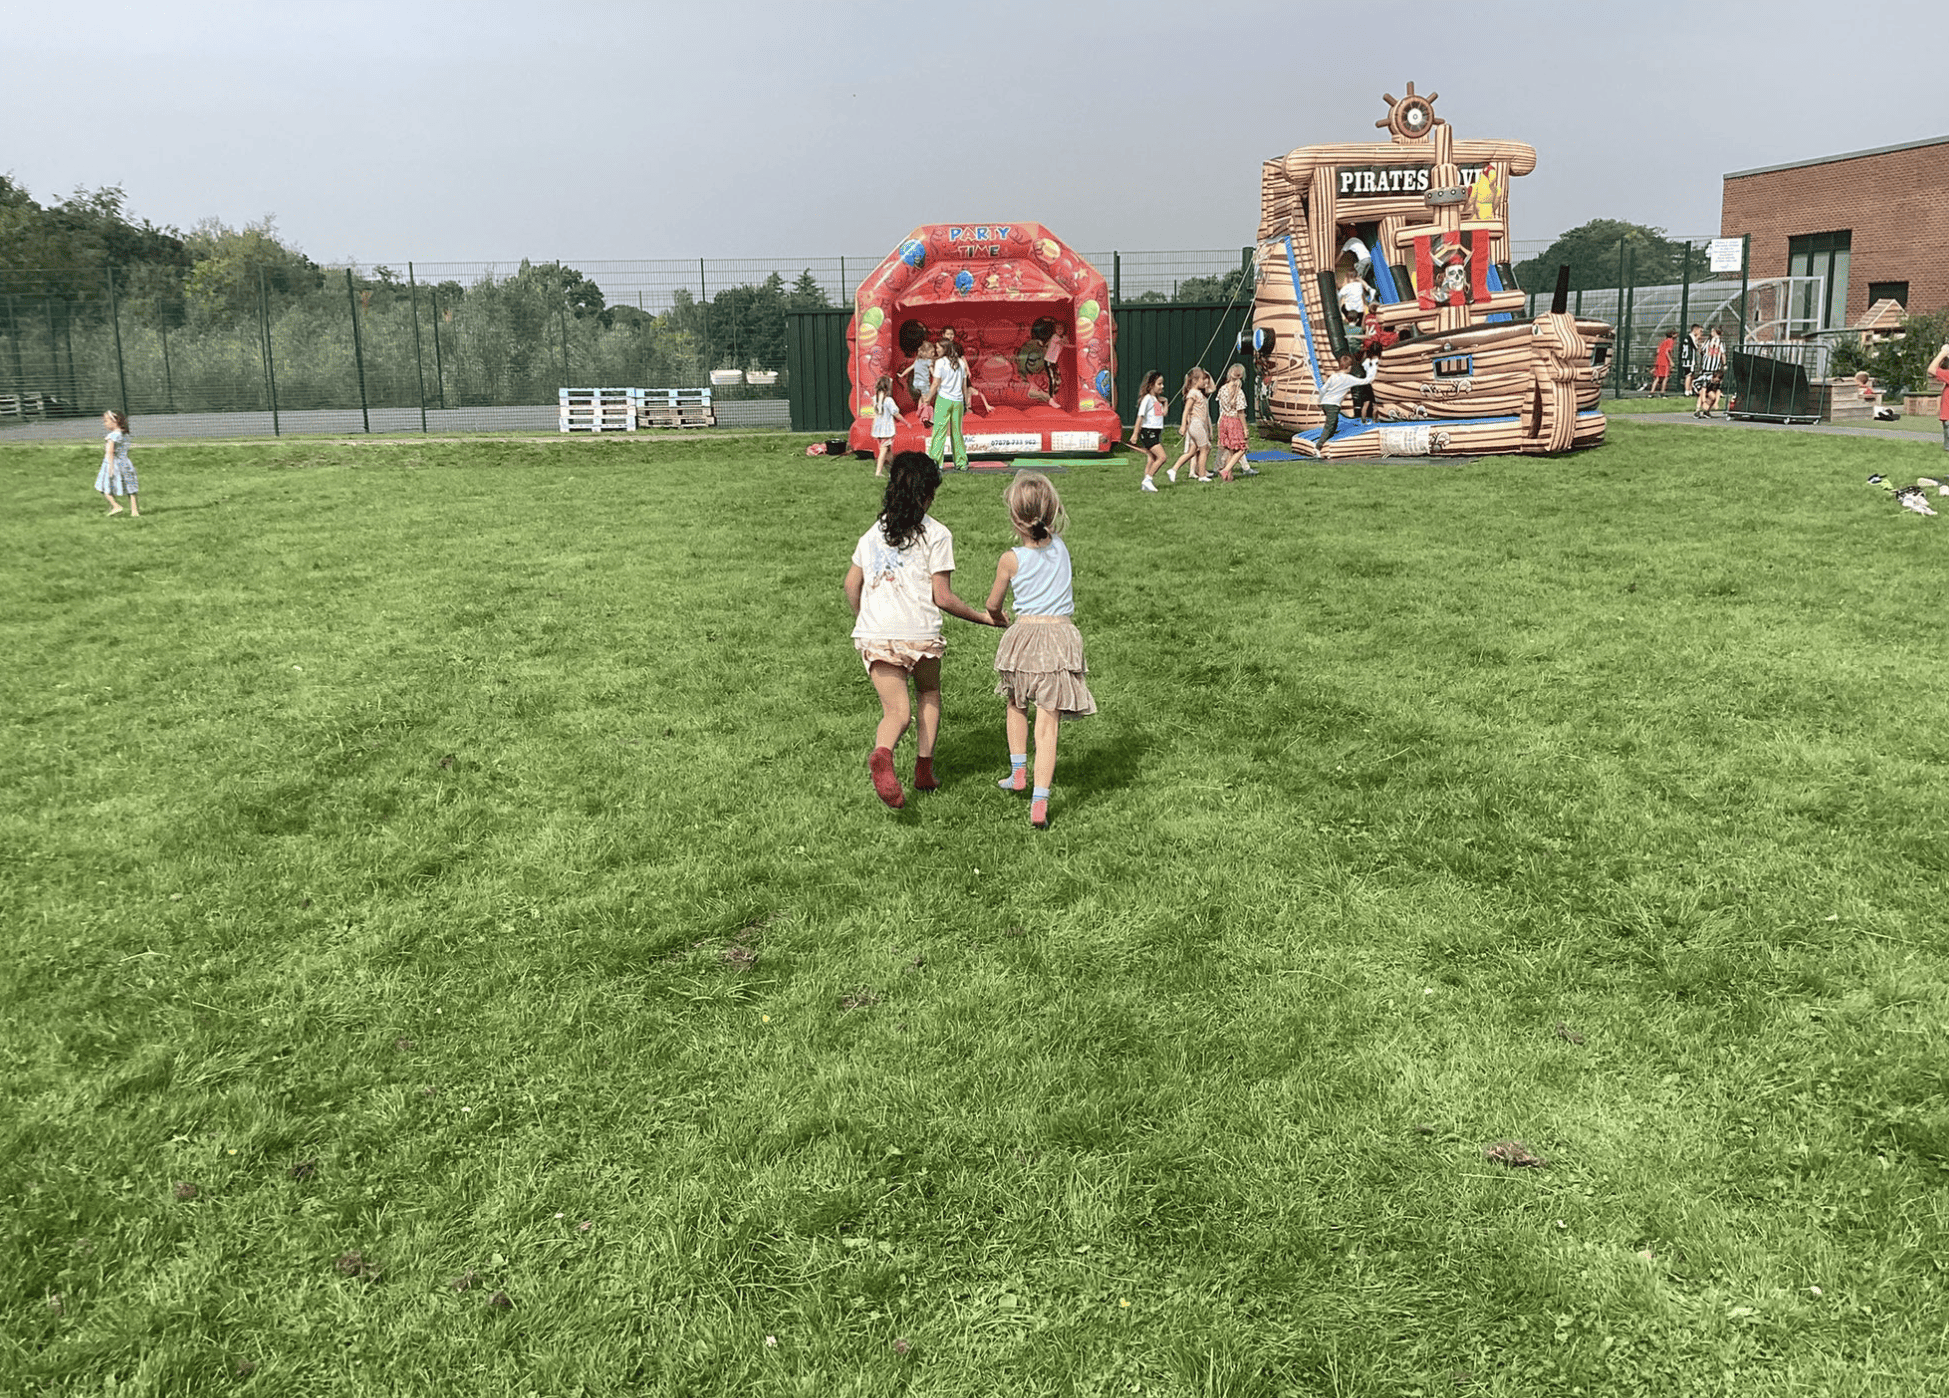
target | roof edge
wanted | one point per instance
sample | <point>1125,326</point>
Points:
<point>1835,159</point>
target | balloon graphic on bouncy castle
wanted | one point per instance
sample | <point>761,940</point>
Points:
<point>913,252</point>
<point>964,282</point>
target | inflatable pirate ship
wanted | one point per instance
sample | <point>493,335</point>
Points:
<point>1398,252</point>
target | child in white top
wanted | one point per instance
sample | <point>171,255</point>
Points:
<point>886,416</point>
<point>951,393</point>
<point>117,475</point>
<point>1334,391</point>
<point>900,581</point>
<point>1040,660</point>
<point>1149,431</point>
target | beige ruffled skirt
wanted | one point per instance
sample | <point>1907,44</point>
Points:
<point>1040,665</point>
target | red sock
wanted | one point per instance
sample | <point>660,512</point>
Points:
<point>924,775</point>
<point>880,764</point>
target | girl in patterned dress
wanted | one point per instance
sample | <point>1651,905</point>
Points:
<point>900,581</point>
<point>1040,660</point>
<point>117,475</point>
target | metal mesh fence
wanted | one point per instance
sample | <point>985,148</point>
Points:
<point>484,346</point>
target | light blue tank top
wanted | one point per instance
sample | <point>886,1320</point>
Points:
<point>1042,580</point>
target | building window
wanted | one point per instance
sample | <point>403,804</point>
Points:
<point>1888,291</point>
<point>1825,255</point>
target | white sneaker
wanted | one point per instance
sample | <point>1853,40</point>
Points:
<point>1150,485</point>
<point>1172,475</point>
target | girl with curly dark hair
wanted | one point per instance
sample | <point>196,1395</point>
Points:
<point>900,581</point>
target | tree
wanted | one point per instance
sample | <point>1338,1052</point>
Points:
<point>221,289</point>
<point>1234,286</point>
<point>1592,254</point>
<point>807,294</point>
<point>1900,362</point>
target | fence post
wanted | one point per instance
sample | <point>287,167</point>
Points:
<point>842,281</point>
<point>561,317</point>
<point>53,347</point>
<point>704,309</point>
<point>168,380</point>
<point>13,338</point>
<point>1685,312</point>
<point>439,369</point>
<point>358,350</point>
<point>270,358</point>
<point>1630,312</point>
<point>419,360</point>
<point>1617,330</point>
<point>115,318</point>
<point>1745,267</point>
<point>1116,278</point>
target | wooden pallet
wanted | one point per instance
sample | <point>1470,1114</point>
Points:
<point>24,404</point>
<point>678,407</point>
<point>600,409</point>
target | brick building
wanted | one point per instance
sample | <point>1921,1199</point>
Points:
<point>1874,223</point>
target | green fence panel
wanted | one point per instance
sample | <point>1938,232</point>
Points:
<point>815,363</point>
<point>1170,338</point>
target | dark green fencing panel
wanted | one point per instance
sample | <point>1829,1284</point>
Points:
<point>815,363</point>
<point>1170,338</point>
<point>1167,336</point>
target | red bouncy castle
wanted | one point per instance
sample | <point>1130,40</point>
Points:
<point>1032,318</point>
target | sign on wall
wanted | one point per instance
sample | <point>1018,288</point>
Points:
<point>1725,254</point>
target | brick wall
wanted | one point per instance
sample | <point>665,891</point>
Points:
<point>1896,205</point>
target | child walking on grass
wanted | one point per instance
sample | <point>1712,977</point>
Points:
<point>1040,660</point>
<point>886,416</point>
<point>900,582</point>
<point>1149,431</point>
<point>117,475</point>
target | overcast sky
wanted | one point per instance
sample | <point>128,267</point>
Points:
<point>589,131</point>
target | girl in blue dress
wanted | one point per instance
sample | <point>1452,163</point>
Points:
<point>117,475</point>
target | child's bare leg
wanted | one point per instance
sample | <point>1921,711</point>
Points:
<point>1018,749</point>
<point>114,505</point>
<point>880,461</point>
<point>134,513</point>
<point>927,694</point>
<point>1048,724</point>
<point>895,709</point>
<point>927,689</point>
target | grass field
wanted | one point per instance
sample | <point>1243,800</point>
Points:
<point>454,947</point>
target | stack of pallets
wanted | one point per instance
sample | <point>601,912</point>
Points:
<point>23,405</point>
<point>601,409</point>
<point>677,407</point>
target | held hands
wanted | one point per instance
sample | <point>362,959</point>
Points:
<point>998,617</point>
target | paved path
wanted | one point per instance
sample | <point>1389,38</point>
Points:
<point>347,422</point>
<point>1818,429</point>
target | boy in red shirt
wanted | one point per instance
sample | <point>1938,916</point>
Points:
<point>1661,368</point>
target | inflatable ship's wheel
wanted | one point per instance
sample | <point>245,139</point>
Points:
<point>1411,118</point>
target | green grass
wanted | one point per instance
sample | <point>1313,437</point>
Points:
<point>423,850</point>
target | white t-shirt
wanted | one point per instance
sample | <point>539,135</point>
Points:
<point>897,600</point>
<point>952,379</point>
<point>1353,296</point>
<point>1150,412</point>
<point>1334,391</point>
<point>885,416</point>
<point>1362,259</point>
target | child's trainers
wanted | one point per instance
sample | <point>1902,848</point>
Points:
<point>1150,485</point>
<point>1016,780</point>
<point>880,764</point>
<point>1039,813</point>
